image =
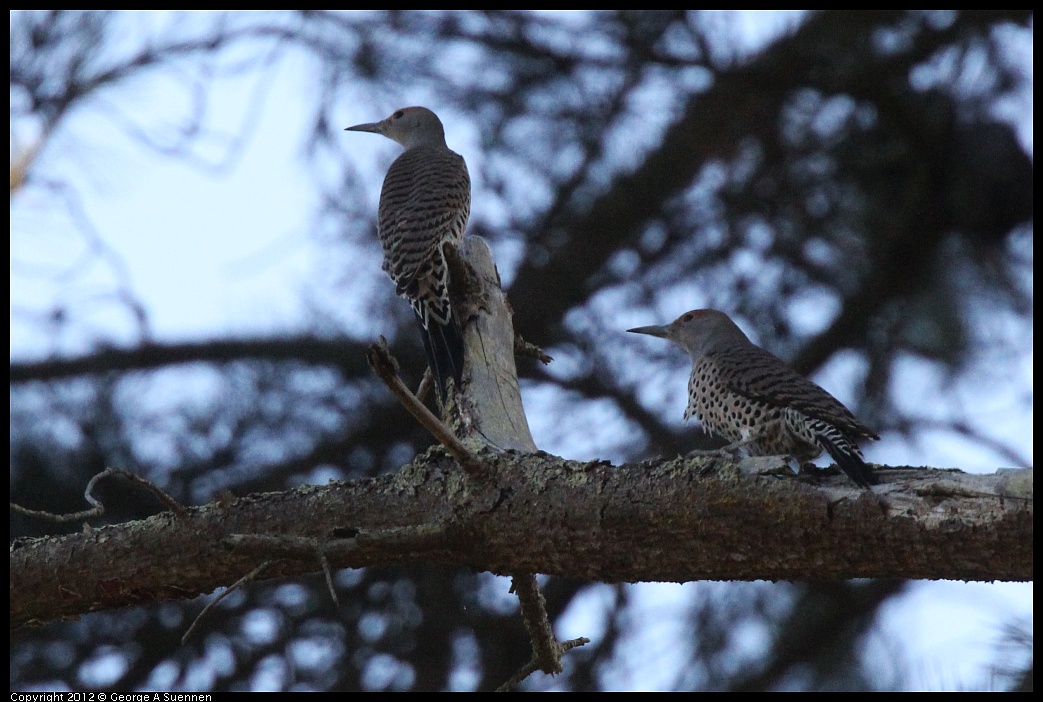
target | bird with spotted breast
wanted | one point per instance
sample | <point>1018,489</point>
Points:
<point>753,399</point>
<point>424,205</point>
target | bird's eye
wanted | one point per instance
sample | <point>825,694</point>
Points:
<point>398,114</point>
<point>688,317</point>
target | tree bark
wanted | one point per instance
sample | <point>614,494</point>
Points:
<point>666,520</point>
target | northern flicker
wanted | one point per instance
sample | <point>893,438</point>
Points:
<point>753,399</point>
<point>424,205</point>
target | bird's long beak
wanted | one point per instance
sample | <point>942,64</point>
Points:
<point>660,331</point>
<point>375,127</point>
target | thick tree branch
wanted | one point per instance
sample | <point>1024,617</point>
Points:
<point>657,521</point>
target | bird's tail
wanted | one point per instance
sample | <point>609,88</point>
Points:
<point>849,458</point>
<point>444,346</point>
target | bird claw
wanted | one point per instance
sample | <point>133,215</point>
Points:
<point>766,466</point>
<point>733,451</point>
<point>707,453</point>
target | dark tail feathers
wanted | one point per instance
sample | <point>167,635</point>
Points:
<point>850,462</point>
<point>444,346</point>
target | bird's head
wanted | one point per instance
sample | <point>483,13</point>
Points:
<point>409,126</point>
<point>698,332</point>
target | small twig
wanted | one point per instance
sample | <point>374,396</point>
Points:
<point>386,368</point>
<point>166,499</point>
<point>98,509</point>
<point>329,578</point>
<point>297,548</point>
<point>248,578</point>
<point>425,385</point>
<point>531,667</point>
<point>525,349</point>
<point>401,540</point>
<point>573,643</point>
<point>534,612</point>
<point>546,651</point>
<point>522,673</point>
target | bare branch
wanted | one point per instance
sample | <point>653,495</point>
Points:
<point>98,509</point>
<point>655,521</point>
<point>386,368</point>
<point>245,580</point>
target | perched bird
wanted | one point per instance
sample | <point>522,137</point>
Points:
<point>753,399</point>
<point>424,205</point>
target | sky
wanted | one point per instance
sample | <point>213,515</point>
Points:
<point>229,251</point>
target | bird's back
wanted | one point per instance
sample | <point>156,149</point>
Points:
<point>425,201</point>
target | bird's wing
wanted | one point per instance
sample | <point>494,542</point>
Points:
<point>760,375</point>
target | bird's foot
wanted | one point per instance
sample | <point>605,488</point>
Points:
<point>766,465</point>
<point>711,453</point>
